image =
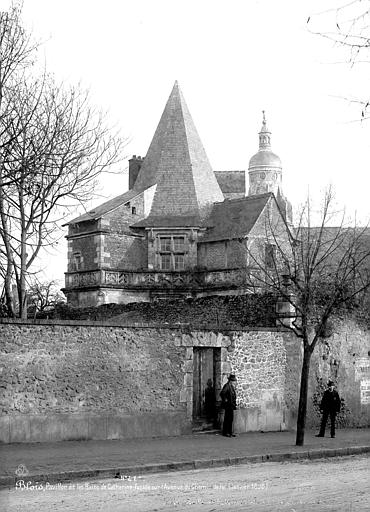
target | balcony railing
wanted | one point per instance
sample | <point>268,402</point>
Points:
<point>159,280</point>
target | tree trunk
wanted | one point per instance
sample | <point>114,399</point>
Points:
<point>8,291</point>
<point>302,407</point>
<point>23,297</point>
<point>4,230</point>
<point>22,292</point>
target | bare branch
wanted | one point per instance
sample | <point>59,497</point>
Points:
<point>53,148</point>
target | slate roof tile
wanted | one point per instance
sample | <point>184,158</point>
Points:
<point>108,206</point>
<point>235,218</point>
<point>231,182</point>
<point>169,221</point>
<point>177,162</point>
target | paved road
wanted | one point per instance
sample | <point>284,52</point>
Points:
<point>339,484</point>
<point>64,456</point>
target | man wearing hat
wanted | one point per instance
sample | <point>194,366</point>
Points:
<point>228,396</point>
<point>330,406</point>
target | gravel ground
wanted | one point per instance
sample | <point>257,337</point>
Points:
<point>338,484</point>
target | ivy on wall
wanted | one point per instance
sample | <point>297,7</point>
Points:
<point>217,312</point>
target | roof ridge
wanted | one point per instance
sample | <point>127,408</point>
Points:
<point>182,101</point>
<point>233,170</point>
<point>254,197</point>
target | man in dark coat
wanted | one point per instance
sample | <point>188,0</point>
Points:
<point>330,406</point>
<point>228,396</point>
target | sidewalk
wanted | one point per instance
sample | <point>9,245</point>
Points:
<point>54,462</point>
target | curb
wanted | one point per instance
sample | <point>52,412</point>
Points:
<point>10,481</point>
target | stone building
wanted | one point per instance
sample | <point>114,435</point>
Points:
<point>181,230</point>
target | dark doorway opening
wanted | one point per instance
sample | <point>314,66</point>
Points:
<point>206,387</point>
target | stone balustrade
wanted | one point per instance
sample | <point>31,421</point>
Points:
<point>159,280</point>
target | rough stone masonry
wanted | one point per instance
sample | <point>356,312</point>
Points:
<point>69,380</point>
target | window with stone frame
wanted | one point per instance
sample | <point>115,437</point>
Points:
<point>172,252</point>
<point>77,261</point>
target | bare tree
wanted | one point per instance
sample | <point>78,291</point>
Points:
<point>347,26</point>
<point>53,147</point>
<point>17,47</point>
<point>56,157</point>
<point>43,295</point>
<point>17,51</point>
<point>314,272</point>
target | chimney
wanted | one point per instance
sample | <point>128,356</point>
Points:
<point>134,166</point>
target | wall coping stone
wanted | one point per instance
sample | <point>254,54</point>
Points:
<point>139,325</point>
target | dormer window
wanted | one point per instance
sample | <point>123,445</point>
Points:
<point>171,251</point>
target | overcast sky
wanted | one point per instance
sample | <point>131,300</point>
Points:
<point>232,59</point>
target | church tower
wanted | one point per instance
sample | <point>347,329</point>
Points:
<point>264,167</point>
<point>265,172</point>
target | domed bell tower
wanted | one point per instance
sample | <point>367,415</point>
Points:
<point>264,168</point>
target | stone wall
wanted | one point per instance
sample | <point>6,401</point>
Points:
<point>259,360</point>
<point>126,214</point>
<point>126,252</point>
<point>86,246</point>
<point>82,368</point>
<point>343,357</point>
<point>63,380</point>
<point>212,255</point>
<point>94,381</point>
<point>236,254</point>
<point>222,254</point>
<point>60,371</point>
<point>270,228</point>
<point>267,364</point>
<point>123,249</point>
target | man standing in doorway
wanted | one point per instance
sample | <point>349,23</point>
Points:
<point>228,396</point>
<point>330,406</point>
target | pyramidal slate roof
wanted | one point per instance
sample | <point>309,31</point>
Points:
<point>177,162</point>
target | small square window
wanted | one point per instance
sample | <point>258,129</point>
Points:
<point>165,261</point>
<point>178,243</point>
<point>165,244</point>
